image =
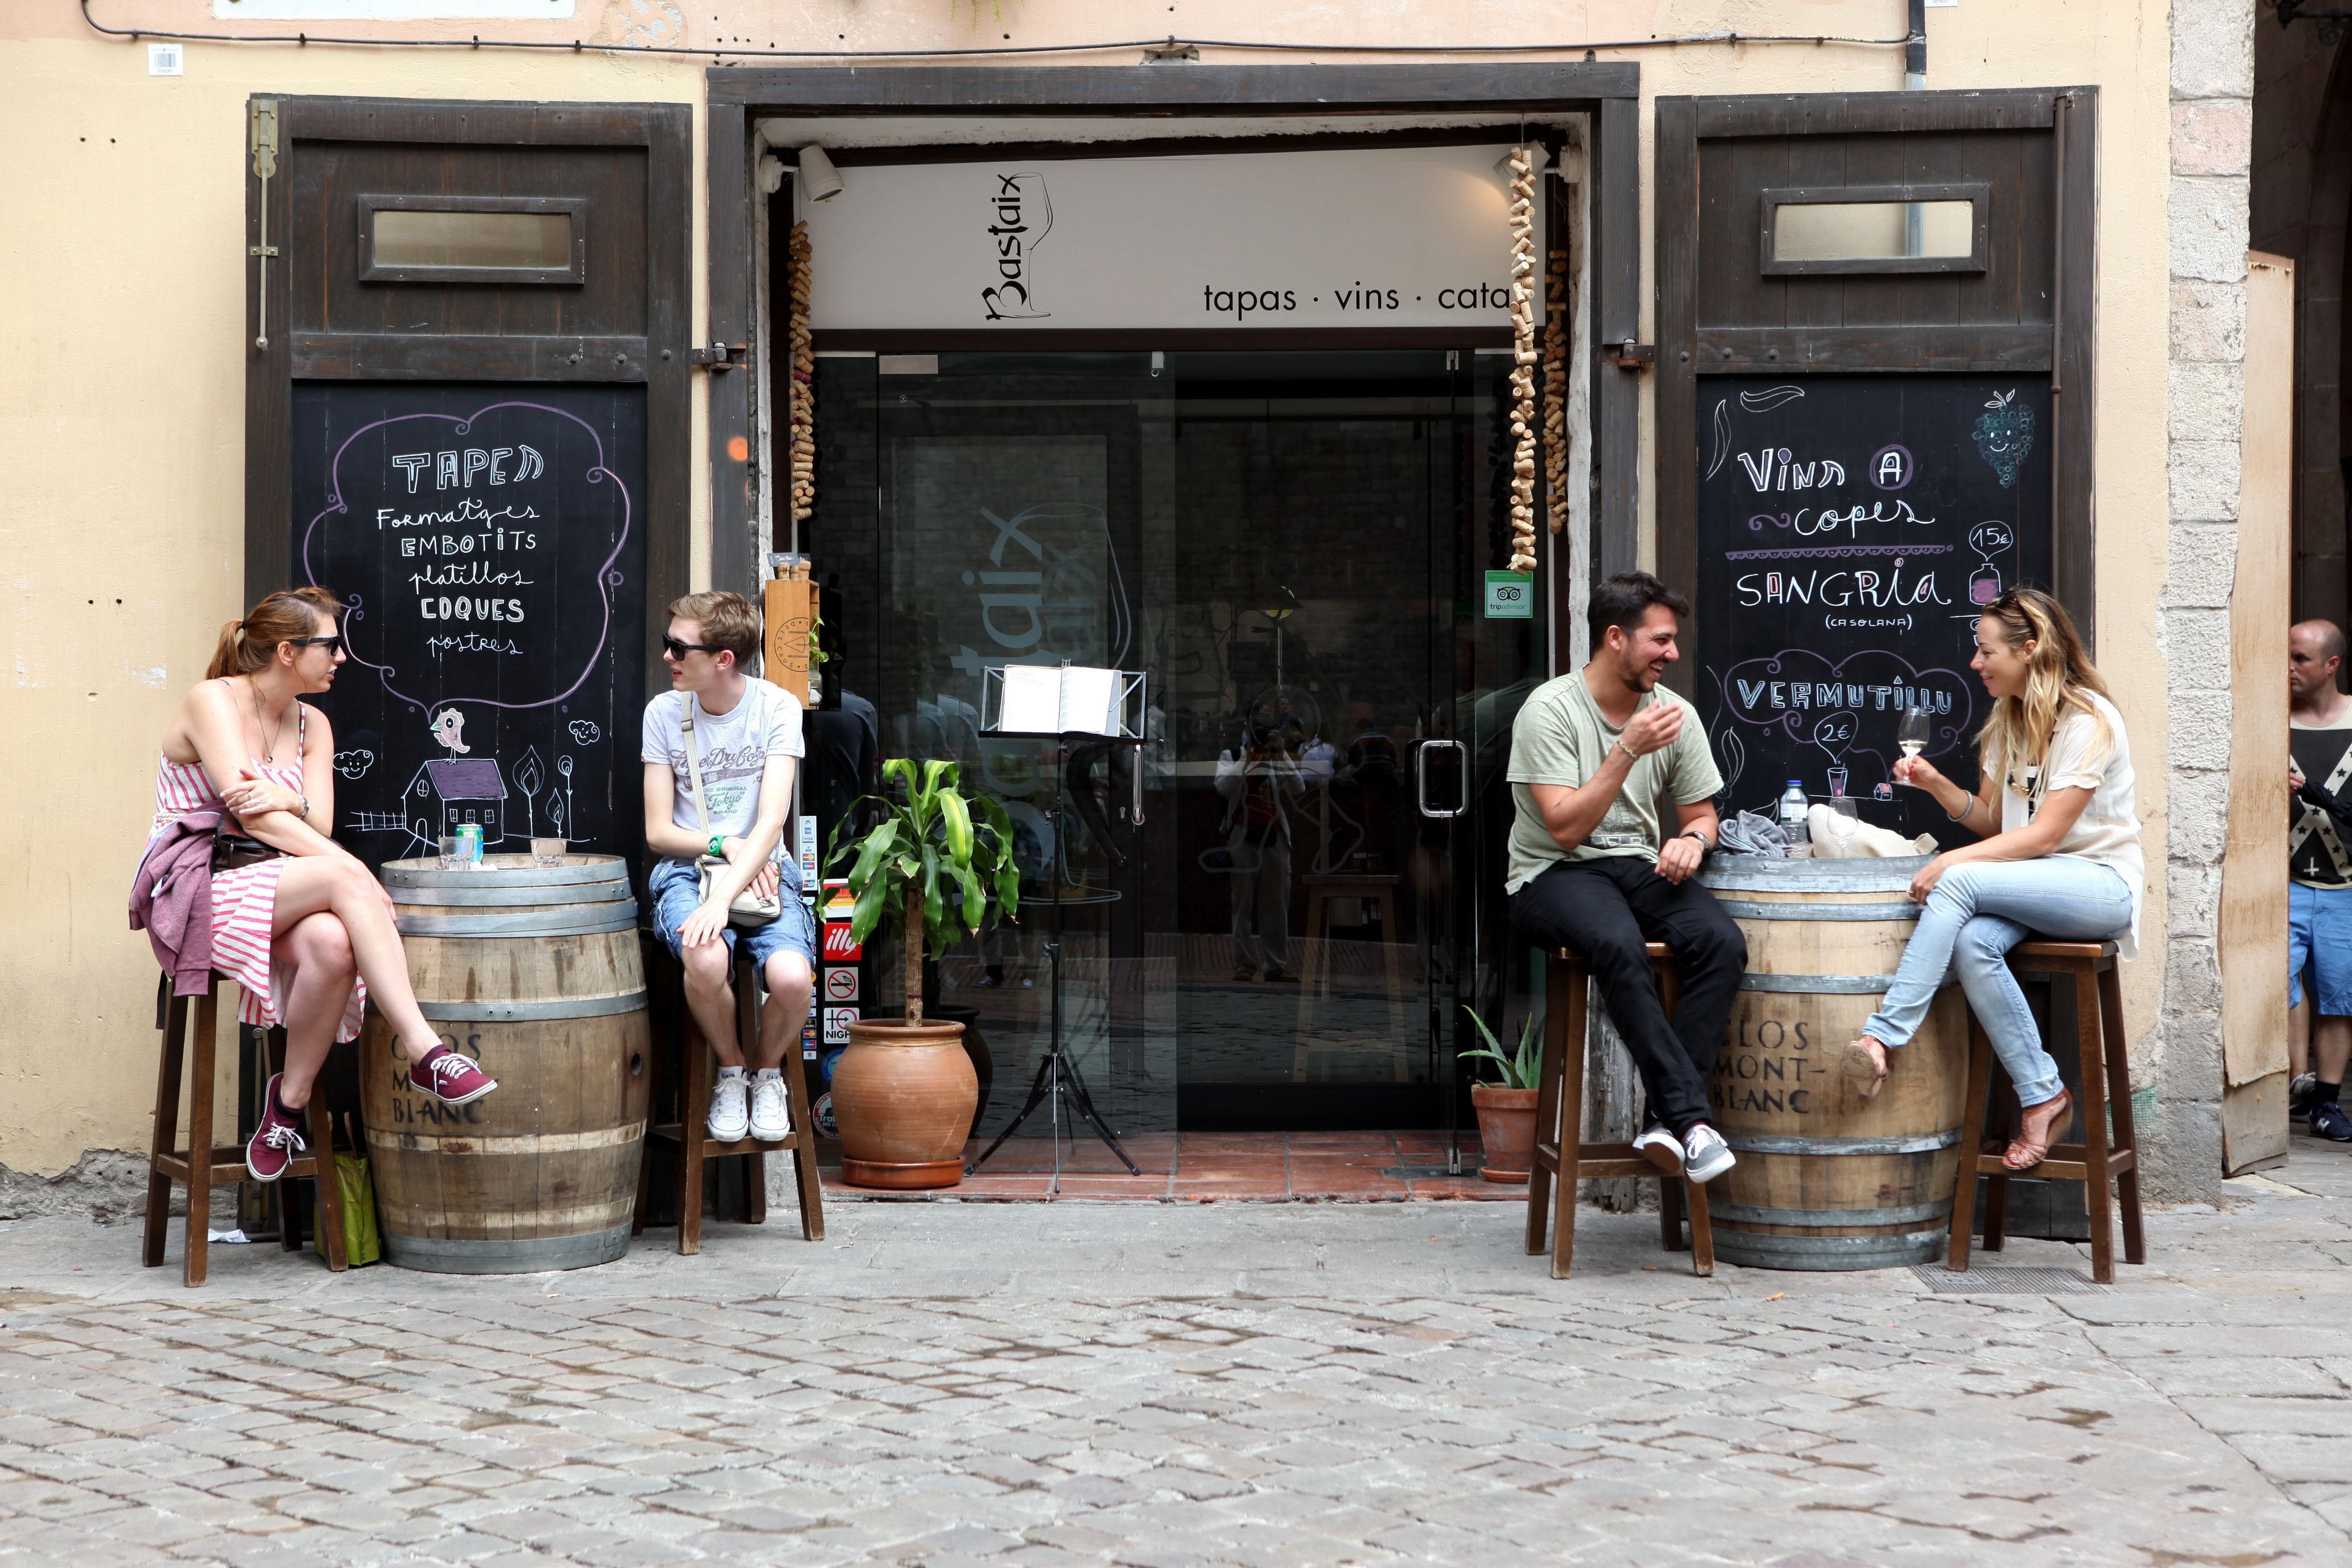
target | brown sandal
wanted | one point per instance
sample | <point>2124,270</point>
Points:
<point>2037,1153</point>
<point>1864,1060</point>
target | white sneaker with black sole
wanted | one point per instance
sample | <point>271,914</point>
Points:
<point>1705,1154</point>
<point>1662,1148</point>
<point>771,1121</point>
<point>730,1112</point>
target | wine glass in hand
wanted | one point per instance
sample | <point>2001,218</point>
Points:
<point>1911,737</point>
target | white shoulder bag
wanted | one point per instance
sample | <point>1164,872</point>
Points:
<point>749,908</point>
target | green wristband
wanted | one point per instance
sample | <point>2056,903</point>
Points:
<point>714,849</point>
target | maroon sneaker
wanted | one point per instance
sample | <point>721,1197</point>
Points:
<point>449,1078</point>
<point>274,1143</point>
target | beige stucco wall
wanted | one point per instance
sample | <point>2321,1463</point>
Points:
<point>120,406</point>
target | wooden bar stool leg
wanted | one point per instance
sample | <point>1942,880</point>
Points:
<point>161,1145</point>
<point>197,1261</point>
<point>804,1143</point>
<point>1670,1213</point>
<point>1996,1215</point>
<point>320,1127</point>
<point>2119,1059</point>
<point>1702,1230</point>
<point>694,1104</point>
<point>1972,1127</point>
<point>1572,1129</point>
<point>2094,1110</point>
<point>747,1033</point>
<point>1547,1068</point>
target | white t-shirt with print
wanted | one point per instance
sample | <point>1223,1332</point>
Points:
<point>2108,830</point>
<point>734,748</point>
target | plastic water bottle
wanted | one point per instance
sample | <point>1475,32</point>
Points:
<point>1792,816</point>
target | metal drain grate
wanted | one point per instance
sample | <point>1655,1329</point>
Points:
<point>1980,1281</point>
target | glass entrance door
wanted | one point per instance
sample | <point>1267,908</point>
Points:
<point>1291,547</point>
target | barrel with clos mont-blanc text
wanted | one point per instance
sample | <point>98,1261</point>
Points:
<point>1827,1178</point>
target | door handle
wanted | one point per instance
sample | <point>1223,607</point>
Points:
<point>1420,778</point>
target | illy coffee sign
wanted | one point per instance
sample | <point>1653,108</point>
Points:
<point>1415,237</point>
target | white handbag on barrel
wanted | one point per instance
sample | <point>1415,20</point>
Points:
<point>749,908</point>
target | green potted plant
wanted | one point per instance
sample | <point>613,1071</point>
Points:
<point>936,869</point>
<point>1507,1111</point>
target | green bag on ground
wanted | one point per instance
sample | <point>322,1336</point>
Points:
<point>361,1245</point>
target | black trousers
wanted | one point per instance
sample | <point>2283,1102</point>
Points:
<point>1606,909</point>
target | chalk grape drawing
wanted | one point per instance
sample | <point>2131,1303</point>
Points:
<point>2004,435</point>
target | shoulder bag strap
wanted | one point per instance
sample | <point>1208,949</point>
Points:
<point>694,768</point>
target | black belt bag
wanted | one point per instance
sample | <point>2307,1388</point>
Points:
<point>234,849</point>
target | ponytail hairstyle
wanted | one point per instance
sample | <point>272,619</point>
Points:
<point>2058,681</point>
<point>250,644</point>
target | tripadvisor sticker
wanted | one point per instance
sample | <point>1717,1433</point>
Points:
<point>1510,596</point>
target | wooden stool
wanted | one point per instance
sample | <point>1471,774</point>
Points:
<point>1323,890</point>
<point>199,1165</point>
<point>1560,1150</point>
<point>2106,1090</point>
<point>690,1133</point>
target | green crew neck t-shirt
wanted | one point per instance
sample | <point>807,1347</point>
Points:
<point>1561,738</point>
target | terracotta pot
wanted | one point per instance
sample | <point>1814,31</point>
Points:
<point>904,1098</point>
<point>1507,1130</point>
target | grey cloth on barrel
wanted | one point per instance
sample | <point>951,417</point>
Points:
<point>1752,833</point>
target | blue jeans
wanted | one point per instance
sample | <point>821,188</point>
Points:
<point>1977,913</point>
<point>2319,945</point>
<point>676,886</point>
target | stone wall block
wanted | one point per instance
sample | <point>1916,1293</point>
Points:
<point>2212,48</point>
<point>2204,479</point>
<point>2200,566</point>
<point>2198,727</point>
<point>2209,229</point>
<point>2193,899</point>
<point>2193,989</point>
<point>2209,321</point>
<point>2212,136</point>
<point>2200,811</point>
<point>2203,400</point>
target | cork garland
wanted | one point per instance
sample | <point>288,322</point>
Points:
<point>802,417</point>
<point>1555,414</point>
<point>1523,360</point>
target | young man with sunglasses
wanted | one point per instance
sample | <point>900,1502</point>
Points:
<point>746,741</point>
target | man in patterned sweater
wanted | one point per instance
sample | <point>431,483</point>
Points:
<point>2319,894</point>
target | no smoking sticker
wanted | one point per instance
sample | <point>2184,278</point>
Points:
<point>841,985</point>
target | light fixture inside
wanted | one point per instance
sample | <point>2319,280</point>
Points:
<point>819,178</point>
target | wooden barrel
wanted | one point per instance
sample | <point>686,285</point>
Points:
<point>1827,1179</point>
<point>535,972</point>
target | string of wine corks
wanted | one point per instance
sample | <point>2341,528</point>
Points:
<point>1523,360</point>
<point>1555,420</point>
<point>802,417</point>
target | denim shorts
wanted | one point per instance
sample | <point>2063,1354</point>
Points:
<point>676,888</point>
<point>2319,947</point>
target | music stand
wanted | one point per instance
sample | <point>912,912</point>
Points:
<point>1048,702</point>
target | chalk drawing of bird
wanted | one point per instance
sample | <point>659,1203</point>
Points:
<point>449,729</point>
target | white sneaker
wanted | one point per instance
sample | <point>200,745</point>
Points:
<point>771,1121</point>
<point>731,1116</point>
<point>1705,1154</point>
<point>1662,1148</point>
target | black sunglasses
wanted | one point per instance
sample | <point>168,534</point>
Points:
<point>678,649</point>
<point>333,645</point>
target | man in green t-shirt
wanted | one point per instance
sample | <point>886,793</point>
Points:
<point>1591,755</point>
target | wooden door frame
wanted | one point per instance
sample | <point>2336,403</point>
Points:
<point>657,360</point>
<point>2064,351</point>
<point>1609,93</point>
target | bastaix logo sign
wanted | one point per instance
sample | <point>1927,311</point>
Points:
<point>1020,214</point>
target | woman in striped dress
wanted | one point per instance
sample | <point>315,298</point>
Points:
<point>307,933</point>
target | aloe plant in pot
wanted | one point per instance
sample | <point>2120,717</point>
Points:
<point>1507,1111</point>
<point>937,868</point>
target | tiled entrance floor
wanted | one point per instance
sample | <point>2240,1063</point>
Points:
<point>1266,1167</point>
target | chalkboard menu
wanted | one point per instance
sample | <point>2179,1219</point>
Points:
<point>487,547</point>
<point>1850,529</point>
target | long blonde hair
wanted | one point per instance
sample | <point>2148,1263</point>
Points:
<point>2059,681</point>
<point>250,644</point>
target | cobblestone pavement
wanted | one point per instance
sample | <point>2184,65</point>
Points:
<point>1163,1385</point>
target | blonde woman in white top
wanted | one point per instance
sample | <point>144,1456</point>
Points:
<point>2060,858</point>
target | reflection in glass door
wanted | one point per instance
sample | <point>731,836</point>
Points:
<point>1290,546</point>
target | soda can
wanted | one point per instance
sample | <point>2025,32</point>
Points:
<point>470,846</point>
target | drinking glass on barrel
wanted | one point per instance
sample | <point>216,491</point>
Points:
<point>1912,733</point>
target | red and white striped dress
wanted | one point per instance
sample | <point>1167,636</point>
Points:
<point>245,899</point>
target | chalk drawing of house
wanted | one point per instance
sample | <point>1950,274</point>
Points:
<point>444,795</point>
